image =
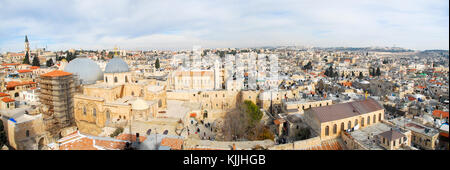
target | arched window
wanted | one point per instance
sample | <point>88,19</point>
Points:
<point>126,79</point>
<point>362,122</point>
<point>379,117</point>
<point>356,122</point>
<point>334,129</point>
<point>115,79</point>
<point>106,79</point>
<point>94,112</point>
<point>303,107</point>
<point>342,126</point>
<point>368,120</point>
<point>349,126</point>
<point>374,118</point>
<point>84,110</point>
<point>132,93</point>
<point>27,133</point>
<point>320,104</point>
<point>327,131</point>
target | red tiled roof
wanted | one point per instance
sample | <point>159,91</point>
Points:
<point>173,143</point>
<point>7,100</point>
<point>438,113</point>
<point>327,145</point>
<point>3,94</point>
<point>56,73</point>
<point>16,83</point>
<point>34,67</point>
<point>133,137</point>
<point>10,64</point>
<point>24,71</point>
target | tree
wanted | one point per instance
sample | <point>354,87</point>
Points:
<point>157,63</point>
<point>303,133</point>
<point>49,62</point>
<point>36,61</point>
<point>3,139</point>
<point>378,73</point>
<point>70,56</point>
<point>26,60</point>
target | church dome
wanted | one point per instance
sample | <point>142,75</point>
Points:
<point>87,70</point>
<point>116,65</point>
<point>139,104</point>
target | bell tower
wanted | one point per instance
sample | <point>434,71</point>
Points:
<point>27,45</point>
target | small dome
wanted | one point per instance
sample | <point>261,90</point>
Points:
<point>139,104</point>
<point>116,65</point>
<point>87,70</point>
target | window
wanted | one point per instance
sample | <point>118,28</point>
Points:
<point>84,111</point>
<point>106,79</point>
<point>384,140</point>
<point>374,118</point>
<point>368,120</point>
<point>342,126</point>
<point>327,129</point>
<point>27,133</point>
<point>94,112</point>
<point>334,129</point>
<point>115,79</point>
<point>126,79</point>
<point>379,117</point>
<point>394,142</point>
<point>349,125</point>
<point>107,115</point>
<point>362,122</point>
<point>132,93</point>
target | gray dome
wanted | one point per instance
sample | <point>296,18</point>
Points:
<point>87,70</point>
<point>116,65</point>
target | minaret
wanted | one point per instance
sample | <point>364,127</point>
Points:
<point>27,45</point>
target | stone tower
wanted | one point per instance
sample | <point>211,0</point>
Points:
<point>27,45</point>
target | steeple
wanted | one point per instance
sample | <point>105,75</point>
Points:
<point>26,38</point>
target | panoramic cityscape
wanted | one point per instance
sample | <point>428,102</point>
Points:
<point>195,75</point>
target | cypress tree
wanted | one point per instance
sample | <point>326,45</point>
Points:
<point>378,73</point>
<point>36,61</point>
<point>26,60</point>
<point>50,62</point>
<point>157,63</point>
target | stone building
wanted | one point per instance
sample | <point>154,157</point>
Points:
<point>330,121</point>
<point>24,131</point>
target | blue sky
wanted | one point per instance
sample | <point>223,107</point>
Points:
<point>180,24</point>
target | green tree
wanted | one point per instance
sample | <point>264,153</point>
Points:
<point>253,111</point>
<point>50,63</point>
<point>36,61</point>
<point>26,60</point>
<point>378,73</point>
<point>157,63</point>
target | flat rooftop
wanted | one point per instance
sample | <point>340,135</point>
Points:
<point>414,126</point>
<point>361,135</point>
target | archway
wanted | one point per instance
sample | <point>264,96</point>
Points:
<point>41,144</point>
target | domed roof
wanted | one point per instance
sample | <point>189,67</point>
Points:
<point>139,104</point>
<point>116,65</point>
<point>87,70</point>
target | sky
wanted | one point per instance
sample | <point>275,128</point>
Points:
<point>181,24</point>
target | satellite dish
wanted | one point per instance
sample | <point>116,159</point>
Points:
<point>149,131</point>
